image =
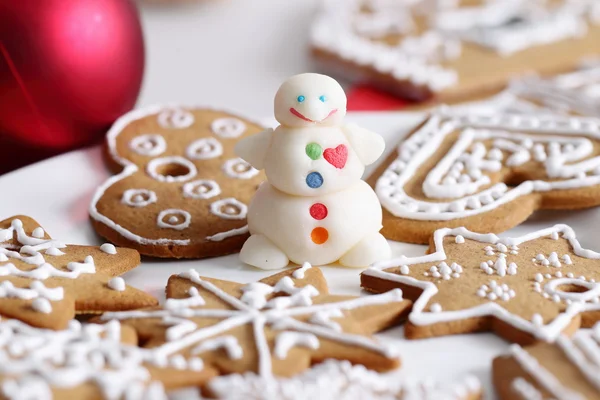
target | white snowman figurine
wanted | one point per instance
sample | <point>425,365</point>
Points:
<point>314,206</point>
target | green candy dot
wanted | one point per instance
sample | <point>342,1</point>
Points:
<point>314,151</point>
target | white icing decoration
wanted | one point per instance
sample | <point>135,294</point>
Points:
<point>41,305</point>
<point>564,167</point>
<point>177,219</point>
<point>229,343</point>
<point>154,164</point>
<point>217,237</point>
<point>130,168</point>
<point>201,189</point>
<point>175,118</point>
<point>239,169</point>
<point>51,251</point>
<point>256,310</point>
<point>204,149</point>
<point>108,248</point>
<point>334,379</point>
<point>150,145</point>
<point>229,208</point>
<point>36,360</point>
<point>138,197</point>
<point>459,239</point>
<point>38,233</point>
<point>548,332</point>
<point>117,283</point>
<point>287,340</point>
<point>300,272</point>
<point>228,128</point>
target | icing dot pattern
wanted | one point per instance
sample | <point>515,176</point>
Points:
<point>181,164</point>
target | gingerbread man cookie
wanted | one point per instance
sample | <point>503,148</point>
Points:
<point>525,289</point>
<point>566,370</point>
<point>278,326</point>
<point>452,49</point>
<point>87,361</point>
<point>44,282</point>
<point>182,192</point>
<point>487,173</point>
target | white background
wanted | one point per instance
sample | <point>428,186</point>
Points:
<point>231,53</point>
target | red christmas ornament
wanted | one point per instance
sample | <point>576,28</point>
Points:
<point>68,69</point>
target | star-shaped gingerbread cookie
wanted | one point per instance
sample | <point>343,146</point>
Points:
<point>87,361</point>
<point>279,326</point>
<point>181,192</point>
<point>568,369</point>
<point>44,282</point>
<point>529,288</point>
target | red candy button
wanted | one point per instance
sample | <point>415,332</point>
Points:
<point>318,211</point>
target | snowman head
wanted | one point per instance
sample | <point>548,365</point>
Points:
<point>308,100</point>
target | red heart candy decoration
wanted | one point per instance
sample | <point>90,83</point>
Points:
<point>337,157</point>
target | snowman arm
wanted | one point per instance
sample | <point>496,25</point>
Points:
<point>368,145</point>
<point>254,149</point>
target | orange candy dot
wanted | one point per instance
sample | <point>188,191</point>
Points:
<point>319,235</point>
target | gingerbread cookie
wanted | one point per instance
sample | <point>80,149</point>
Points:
<point>342,381</point>
<point>452,49</point>
<point>575,93</point>
<point>487,172</point>
<point>182,191</point>
<point>525,289</point>
<point>87,361</point>
<point>278,326</point>
<point>566,370</point>
<point>44,282</point>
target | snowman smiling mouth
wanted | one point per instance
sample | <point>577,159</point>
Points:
<point>299,115</point>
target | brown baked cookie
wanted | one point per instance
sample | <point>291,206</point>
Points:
<point>452,50</point>
<point>334,379</point>
<point>87,362</point>
<point>568,369</point>
<point>44,282</point>
<point>278,326</point>
<point>487,173</point>
<point>524,289</point>
<point>182,192</point>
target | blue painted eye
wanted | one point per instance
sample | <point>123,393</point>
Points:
<point>322,98</point>
<point>300,99</point>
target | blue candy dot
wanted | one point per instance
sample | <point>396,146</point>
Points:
<point>322,98</point>
<point>300,99</point>
<point>314,180</point>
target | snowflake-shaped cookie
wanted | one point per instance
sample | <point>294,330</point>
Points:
<point>86,361</point>
<point>566,370</point>
<point>528,288</point>
<point>182,192</point>
<point>44,282</point>
<point>487,172</point>
<point>280,325</point>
